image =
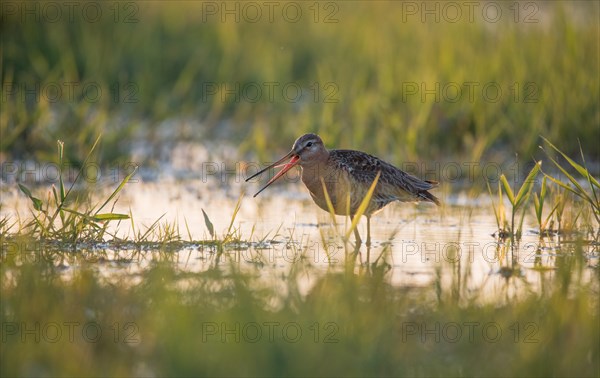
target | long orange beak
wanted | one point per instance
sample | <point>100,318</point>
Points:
<point>286,167</point>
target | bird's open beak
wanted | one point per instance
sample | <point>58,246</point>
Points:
<point>286,167</point>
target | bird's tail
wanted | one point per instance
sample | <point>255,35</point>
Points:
<point>424,195</point>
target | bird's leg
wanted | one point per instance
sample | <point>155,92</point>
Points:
<point>368,230</point>
<point>356,234</point>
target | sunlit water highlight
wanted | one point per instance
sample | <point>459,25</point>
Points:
<point>419,244</point>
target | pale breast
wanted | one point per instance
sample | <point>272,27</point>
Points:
<point>344,192</point>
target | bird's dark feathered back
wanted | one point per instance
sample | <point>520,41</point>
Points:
<point>363,168</point>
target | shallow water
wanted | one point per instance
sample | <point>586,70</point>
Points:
<point>417,243</point>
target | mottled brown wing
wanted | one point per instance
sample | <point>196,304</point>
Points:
<point>394,184</point>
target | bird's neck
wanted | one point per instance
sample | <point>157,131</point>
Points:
<point>314,171</point>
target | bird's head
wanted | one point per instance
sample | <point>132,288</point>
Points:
<point>307,149</point>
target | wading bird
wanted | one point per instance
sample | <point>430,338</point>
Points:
<point>347,175</point>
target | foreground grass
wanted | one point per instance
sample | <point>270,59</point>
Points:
<point>228,321</point>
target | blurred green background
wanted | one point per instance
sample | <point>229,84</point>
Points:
<point>405,80</point>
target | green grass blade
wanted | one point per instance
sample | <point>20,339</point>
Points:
<point>80,214</point>
<point>538,205</point>
<point>132,222</point>
<point>25,190</point>
<point>507,189</point>
<point>119,188</point>
<point>580,169</point>
<point>501,210</point>
<point>55,195</point>
<point>37,203</point>
<point>523,193</point>
<point>328,201</point>
<point>544,190</point>
<point>109,217</point>
<point>363,206</point>
<point>549,216</point>
<point>83,165</point>
<point>150,229</point>
<point>209,225</point>
<point>38,222</point>
<point>579,192</point>
<point>591,180</point>
<point>60,206</point>
<point>238,205</point>
<point>58,202</point>
<point>493,204</point>
<point>565,186</point>
<point>61,148</point>
<point>187,227</point>
<point>519,232</point>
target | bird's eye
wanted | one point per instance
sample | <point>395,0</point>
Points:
<point>309,144</point>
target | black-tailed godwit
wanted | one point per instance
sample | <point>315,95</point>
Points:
<point>348,175</point>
